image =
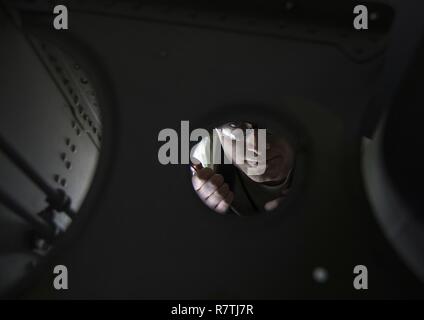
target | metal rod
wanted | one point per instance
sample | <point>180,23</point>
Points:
<point>38,224</point>
<point>56,197</point>
<point>22,164</point>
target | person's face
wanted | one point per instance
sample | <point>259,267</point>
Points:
<point>274,153</point>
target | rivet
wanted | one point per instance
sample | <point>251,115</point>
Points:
<point>73,148</point>
<point>68,165</point>
<point>63,182</point>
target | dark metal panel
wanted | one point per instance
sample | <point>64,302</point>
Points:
<point>154,239</point>
<point>37,121</point>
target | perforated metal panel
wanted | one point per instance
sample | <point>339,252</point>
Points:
<point>55,126</point>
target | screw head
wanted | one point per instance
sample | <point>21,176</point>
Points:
<point>63,182</point>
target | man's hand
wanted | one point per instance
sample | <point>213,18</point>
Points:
<point>212,189</point>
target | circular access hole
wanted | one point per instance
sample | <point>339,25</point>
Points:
<point>243,167</point>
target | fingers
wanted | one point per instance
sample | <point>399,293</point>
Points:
<point>215,198</point>
<point>212,185</point>
<point>201,177</point>
<point>223,206</point>
<point>206,182</point>
<point>212,189</point>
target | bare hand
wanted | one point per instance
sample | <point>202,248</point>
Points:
<point>212,189</point>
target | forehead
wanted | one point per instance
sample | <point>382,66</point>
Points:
<point>240,125</point>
